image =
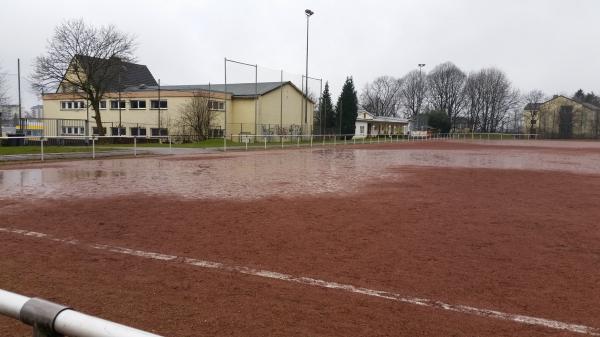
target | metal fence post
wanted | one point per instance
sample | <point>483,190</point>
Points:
<point>311,140</point>
<point>42,148</point>
<point>170,145</point>
<point>265,143</point>
<point>134,146</point>
<point>93,147</point>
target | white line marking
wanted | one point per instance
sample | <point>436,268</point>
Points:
<point>548,323</point>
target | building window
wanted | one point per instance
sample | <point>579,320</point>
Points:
<point>216,105</point>
<point>114,104</point>
<point>73,130</point>
<point>72,105</point>
<point>138,132</point>
<point>159,132</point>
<point>154,104</point>
<point>137,104</point>
<point>103,105</point>
<point>362,129</point>
<point>115,131</point>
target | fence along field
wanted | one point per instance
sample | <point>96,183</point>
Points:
<point>66,147</point>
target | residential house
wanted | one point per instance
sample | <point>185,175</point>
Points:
<point>369,125</point>
<point>562,117</point>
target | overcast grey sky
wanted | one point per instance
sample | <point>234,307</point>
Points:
<point>553,45</point>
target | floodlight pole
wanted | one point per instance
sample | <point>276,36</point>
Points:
<point>308,13</point>
<point>421,65</point>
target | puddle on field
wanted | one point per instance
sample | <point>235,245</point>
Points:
<point>252,175</point>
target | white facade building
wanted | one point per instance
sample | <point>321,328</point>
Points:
<point>369,125</point>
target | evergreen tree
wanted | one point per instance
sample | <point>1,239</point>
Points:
<point>439,120</point>
<point>589,97</point>
<point>347,108</point>
<point>592,99</point>
<point>326,113</point>
<point>579,95</point>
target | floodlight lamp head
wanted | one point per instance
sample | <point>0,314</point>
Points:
<point>309,12</point>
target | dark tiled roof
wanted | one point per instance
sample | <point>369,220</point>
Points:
<point>132,74</point>
<point>236,89</point>
<point>590,106</point>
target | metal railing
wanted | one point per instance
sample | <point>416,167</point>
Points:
<point>249,141</point>
<point>87,141</point>
<point>129,145</point>
<point>50,319</point>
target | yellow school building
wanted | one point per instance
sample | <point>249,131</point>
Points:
<point>147,109</point>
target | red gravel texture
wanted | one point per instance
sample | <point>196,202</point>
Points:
<point>515,240</point>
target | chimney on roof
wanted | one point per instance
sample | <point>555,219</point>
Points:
<point>555,96</point>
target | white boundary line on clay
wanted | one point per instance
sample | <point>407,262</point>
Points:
<point>536,321</point>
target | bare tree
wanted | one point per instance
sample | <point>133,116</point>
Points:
<point>533,99</point>
<point>412,93</point>
<point>489,97</point>
<point>196,117</point>
<point>85,61</point>
<point>445,84</point>
<point>382,97</point>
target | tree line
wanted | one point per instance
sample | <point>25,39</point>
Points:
<point>481,101</point>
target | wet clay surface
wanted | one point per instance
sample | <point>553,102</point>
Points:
<point>293,173</point>
<point>492,236</point>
